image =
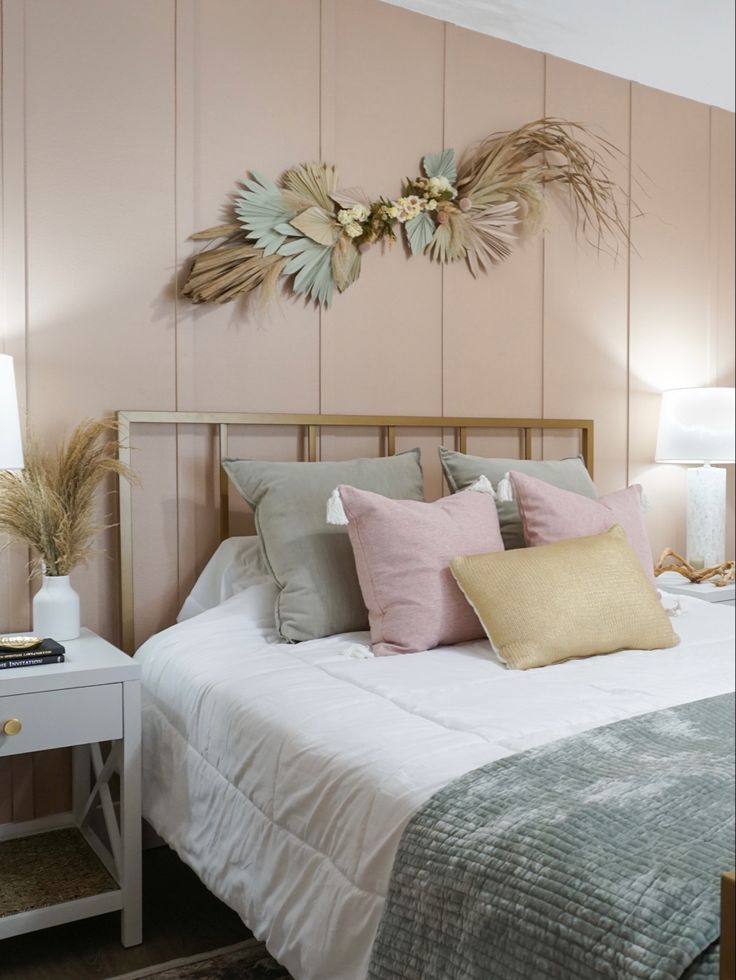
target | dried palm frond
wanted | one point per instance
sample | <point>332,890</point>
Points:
<point>345,264</point>
<point>50,504</point>
<point>517,164</point>
<point>441,243</point>
<point>219,274</point>
<point>489,235</point>
<point>310,184</point>
<point>317,224</point>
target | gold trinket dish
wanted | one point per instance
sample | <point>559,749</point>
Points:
<point>19,642</point>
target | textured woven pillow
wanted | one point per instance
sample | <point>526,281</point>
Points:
<point>402,554</point>
<point>312,562</point>
<point>461,471</point>
<point>549,514</point>
<point>574,598</point>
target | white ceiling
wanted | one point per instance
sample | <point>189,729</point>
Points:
<point>680,46</point>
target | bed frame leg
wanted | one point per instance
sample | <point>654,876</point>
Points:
<point>728,926</point>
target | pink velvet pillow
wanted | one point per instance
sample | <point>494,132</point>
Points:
<point>402,552</point>
<point>549,514</point>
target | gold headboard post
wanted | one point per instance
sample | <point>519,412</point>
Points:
<point>125,498</point>
<point>224,486</point>
<point>310,426</point>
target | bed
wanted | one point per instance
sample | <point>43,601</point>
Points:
<point>285,774</point>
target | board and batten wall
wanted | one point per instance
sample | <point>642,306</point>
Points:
<point>125,127</point>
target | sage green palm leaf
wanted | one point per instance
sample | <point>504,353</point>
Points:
<point>261,208</point>
<point>441,165</point>
<point>419,232</point>
<point>311,265</point>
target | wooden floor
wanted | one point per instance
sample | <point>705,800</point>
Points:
<point>180,918</point>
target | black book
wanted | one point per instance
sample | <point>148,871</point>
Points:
<point>37,659</point>
<point>43,648</point>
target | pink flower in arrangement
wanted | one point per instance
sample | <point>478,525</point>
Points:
<point>465,204</point>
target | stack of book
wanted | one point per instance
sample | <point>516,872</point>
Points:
<point>29,651</point>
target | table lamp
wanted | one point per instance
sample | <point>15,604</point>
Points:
<point>696,426</point>
<point>11,447</point>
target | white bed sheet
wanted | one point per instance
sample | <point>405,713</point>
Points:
<point>284,775</point>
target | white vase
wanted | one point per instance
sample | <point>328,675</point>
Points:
<point>56,609</point>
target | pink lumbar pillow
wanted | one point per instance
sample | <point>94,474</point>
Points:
<point>402,552</point>
<point>549,514</point>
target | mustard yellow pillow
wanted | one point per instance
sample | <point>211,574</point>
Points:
<point>573,598</point>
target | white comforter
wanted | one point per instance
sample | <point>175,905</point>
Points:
<point>284,775</point>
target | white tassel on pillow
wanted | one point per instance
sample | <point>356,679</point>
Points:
<point>358,651</point>
<point>505,490</point>
<point>483,485</point>
<point>335,511</point>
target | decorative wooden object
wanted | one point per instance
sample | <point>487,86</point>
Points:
<point>670,561</point>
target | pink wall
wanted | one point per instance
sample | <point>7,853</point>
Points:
<point>126,124</point>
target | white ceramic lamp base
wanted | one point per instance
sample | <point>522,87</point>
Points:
<point>706,515</point>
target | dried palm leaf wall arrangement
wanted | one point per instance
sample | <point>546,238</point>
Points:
<point>311,232</point>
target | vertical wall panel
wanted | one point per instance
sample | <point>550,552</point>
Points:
<point>586,291</point>
<point>248,86</point>
<point>14,589</point>
<point>381,347</point>
<point>248,83</point>
<point>492,325</point>
<point>723,179</point>
<point>670,288</point>
<point>722,218</point>
<point>99,131</point>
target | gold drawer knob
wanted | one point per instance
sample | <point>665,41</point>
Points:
<point>12,726</point>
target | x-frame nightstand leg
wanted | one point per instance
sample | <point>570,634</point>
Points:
<point>122,854</point>
<point>130,816</point>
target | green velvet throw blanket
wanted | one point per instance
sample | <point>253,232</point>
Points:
<point>597,856</point>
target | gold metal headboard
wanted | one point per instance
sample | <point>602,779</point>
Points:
<point>310,426</point>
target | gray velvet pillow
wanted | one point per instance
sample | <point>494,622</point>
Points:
<point>568,474</point>
<point>311,561</point>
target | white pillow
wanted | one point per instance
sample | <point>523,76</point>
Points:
<point>235,566</point>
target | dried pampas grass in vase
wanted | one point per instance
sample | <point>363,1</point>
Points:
<point>50,505</point>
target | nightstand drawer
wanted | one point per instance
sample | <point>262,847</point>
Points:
<point>51,719</point>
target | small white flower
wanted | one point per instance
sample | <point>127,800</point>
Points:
<point>354,230</point>
<point>440,185</point>
<point>431,205</point>
<point>392,211</point>
<point>345,216</point>
<point>360,212</point>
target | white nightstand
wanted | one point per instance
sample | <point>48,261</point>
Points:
<point>678,584</point>
<point>51,876</point>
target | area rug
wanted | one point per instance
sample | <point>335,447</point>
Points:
<point>244,961</point>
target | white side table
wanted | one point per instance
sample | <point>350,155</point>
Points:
<point>679,585</point>
<point>51,876</point>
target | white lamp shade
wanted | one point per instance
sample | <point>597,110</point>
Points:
<point>11,447</point>
<point>696,425</point>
